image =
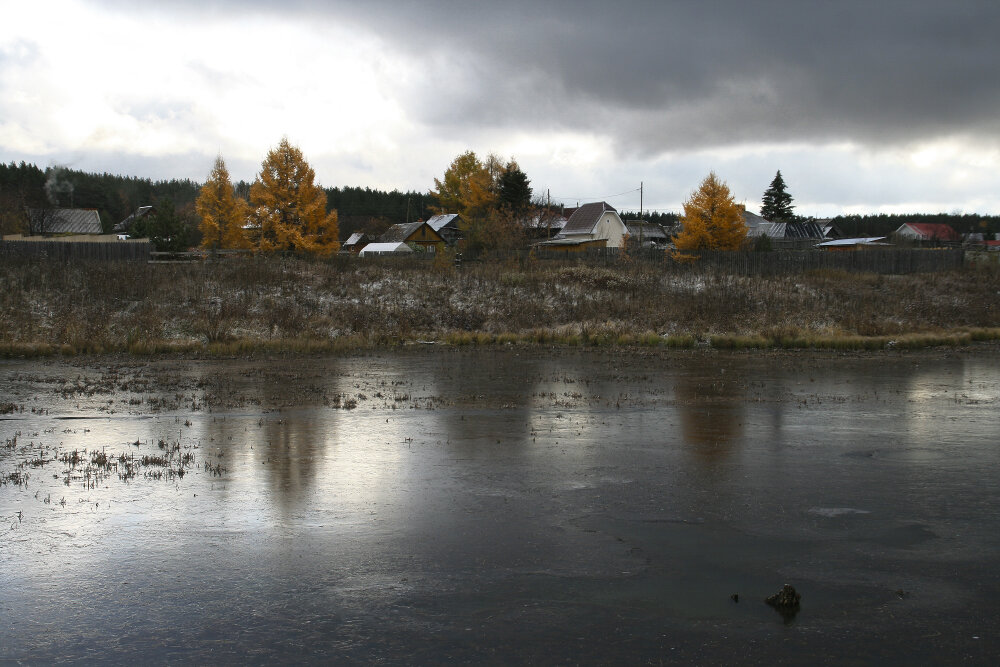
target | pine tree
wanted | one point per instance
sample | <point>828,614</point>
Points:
<point>777,203</point>
<point>222,214</point>
<point>289,208</point>
<point>169,229</point>
<point>712,219</point>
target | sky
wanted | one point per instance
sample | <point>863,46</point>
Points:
<point>865,107</point>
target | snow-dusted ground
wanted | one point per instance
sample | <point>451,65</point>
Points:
<point>260,299</point>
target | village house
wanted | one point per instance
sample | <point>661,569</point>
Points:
<point>646,234</point>
<point>758,226</point>
<point>125,226</point>
<point>448,226</point>
<point>543,225</point>
<point>356,243</point>
<point>594,225</point>
<point>927,232</point>
<point>417,233</point>
<point>48,221</point>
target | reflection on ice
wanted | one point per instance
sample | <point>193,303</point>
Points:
<point>495,506</point>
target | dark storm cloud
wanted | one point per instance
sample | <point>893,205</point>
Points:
<point>659,76</point>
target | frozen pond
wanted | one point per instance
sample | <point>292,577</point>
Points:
<point>438,505</point>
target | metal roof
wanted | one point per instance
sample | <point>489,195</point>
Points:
<point>126,224</point>
<point>842,242</point>
<point>646,230</point>
<point>401,232</point>
<point>380,248</point>
<point>758,226</point>
<point>565,242</point>
<point>437,222</point>
<point>585,218</point>
<point>68,220</point>
<point>930,231</point>
<point>803,230</point>
<point>356,237</point>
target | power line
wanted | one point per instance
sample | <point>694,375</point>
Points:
<point>627,192</point>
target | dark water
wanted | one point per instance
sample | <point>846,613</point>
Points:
<point>435,506</point>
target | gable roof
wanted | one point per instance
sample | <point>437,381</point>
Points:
<point>758,226</point>
<point>932,230</point>
<point>140,212</point>
<point>68,220</point>
<point>584,219</point>
<point>648,231</point>
<point>803,230</point>
<point>401,232</point>
<point>437,222</point>
<point>356,238</point>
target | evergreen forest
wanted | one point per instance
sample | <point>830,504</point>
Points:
<point>24,185</point>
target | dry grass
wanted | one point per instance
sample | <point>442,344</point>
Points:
<point>282,305</point>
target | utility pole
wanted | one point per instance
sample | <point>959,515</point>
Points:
<point>640,215</point>
<point>548,213</point>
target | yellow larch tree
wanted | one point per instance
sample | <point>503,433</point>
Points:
<point>222,214</point>
<point>288,208</point>
<point>712,219</point>
<point>467,188</point>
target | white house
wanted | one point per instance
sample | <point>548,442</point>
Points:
<point>593,225</point>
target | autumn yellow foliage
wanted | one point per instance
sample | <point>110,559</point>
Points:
<point>467,188</point>
<point>222,214</point>
<point>712,219</point>
<point>288,209</point>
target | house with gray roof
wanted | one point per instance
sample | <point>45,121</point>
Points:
<point>64,221</point>
<point>356,242</point>
<point>125,225</point>
<point>542,225</point>
<point>417,233</point>
<point>758,226</point>
<point>448,226</point>
<point>594,225</point>
<point>646,234</point>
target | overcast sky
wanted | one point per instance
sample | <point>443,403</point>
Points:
<point>865,106</point>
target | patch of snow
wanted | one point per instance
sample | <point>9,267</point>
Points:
<point>831,512</point>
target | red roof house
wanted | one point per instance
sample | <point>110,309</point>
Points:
<point>927,231</point>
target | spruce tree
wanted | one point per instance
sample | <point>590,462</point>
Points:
<point>515,189</point>
<point>777,203</point>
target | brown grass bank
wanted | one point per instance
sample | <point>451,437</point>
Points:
<point>290,305</point>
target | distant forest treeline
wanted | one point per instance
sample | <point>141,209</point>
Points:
<point>115,197</point>
<point>879,224</point>
<point>360,209</point>
<point>883,224</point>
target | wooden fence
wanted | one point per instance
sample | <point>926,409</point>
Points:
<point>779,262</point>
<point>881,260</point>
<point>121,251</point>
